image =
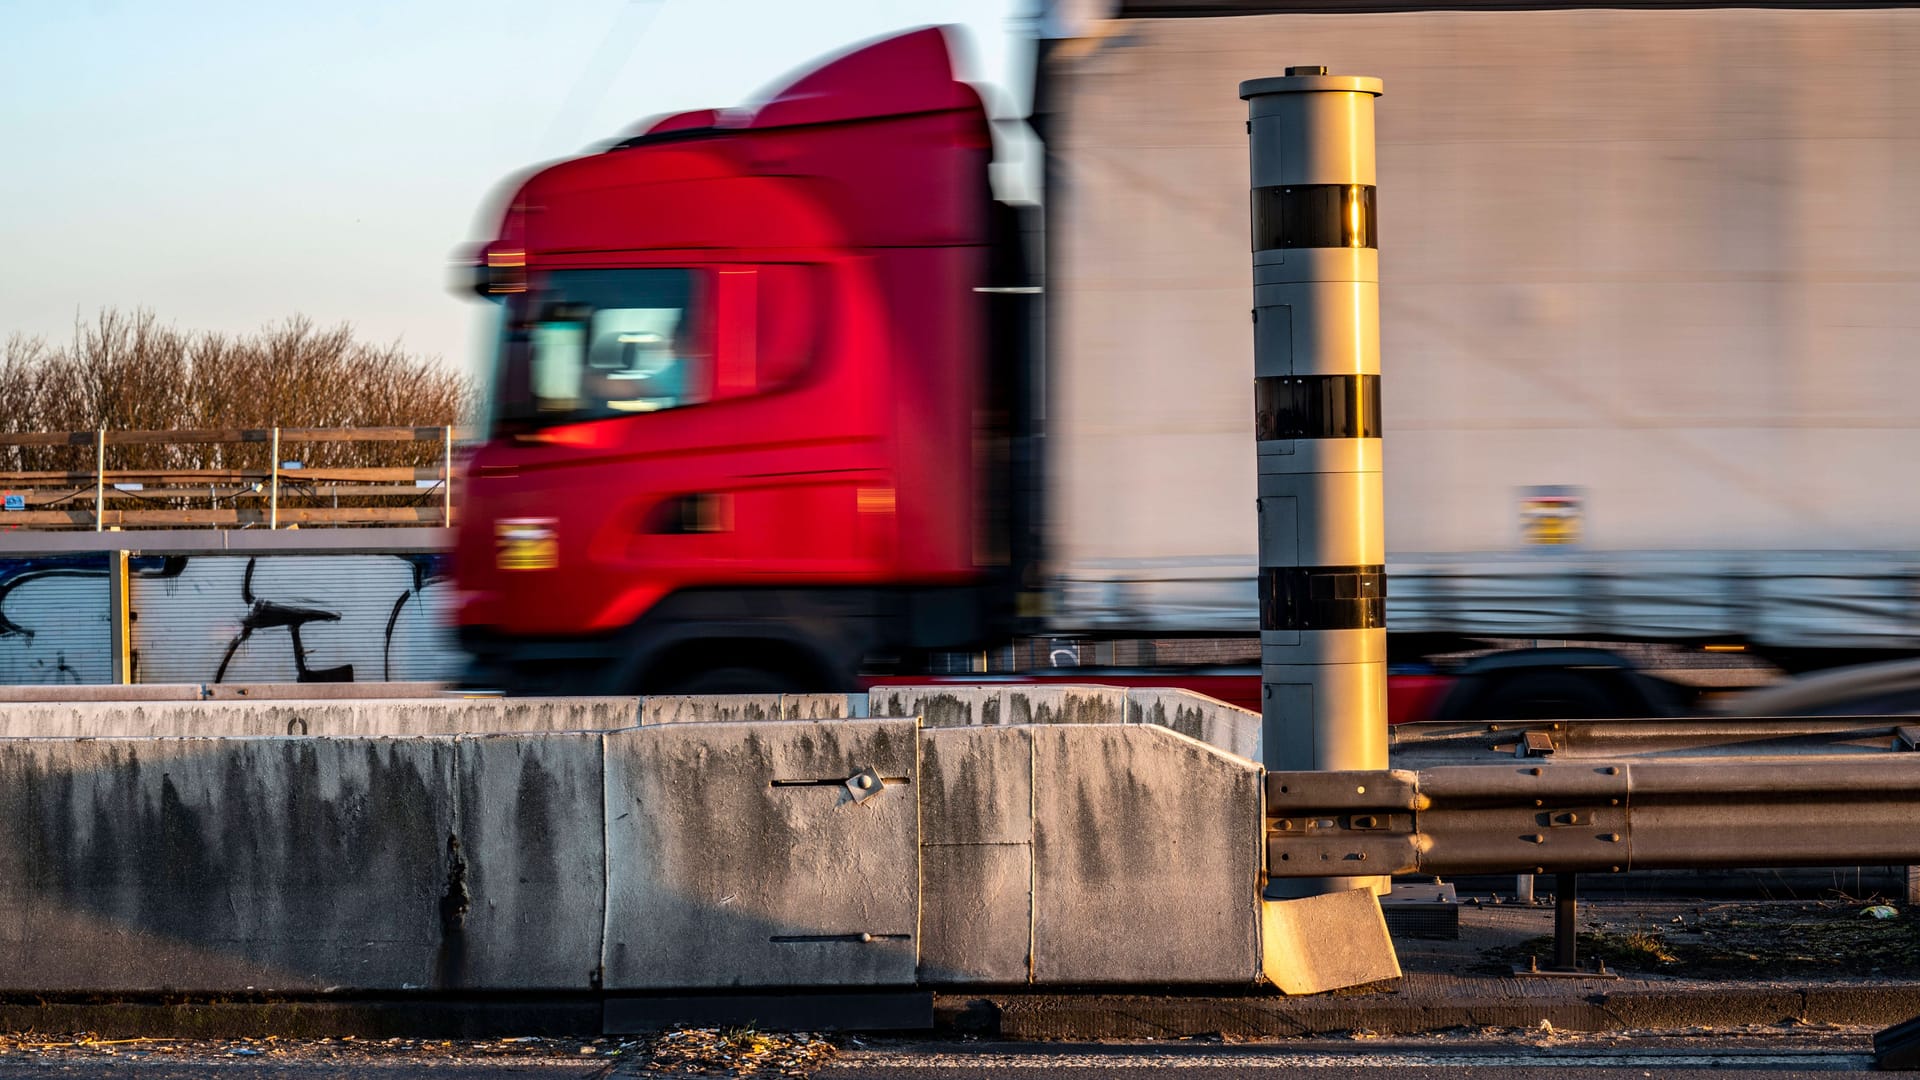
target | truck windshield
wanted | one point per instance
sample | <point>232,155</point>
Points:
<point>589,344</point>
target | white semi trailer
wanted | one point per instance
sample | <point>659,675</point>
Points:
<point>1650,310</point>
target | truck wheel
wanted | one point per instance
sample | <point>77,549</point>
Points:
<point>732,680</point>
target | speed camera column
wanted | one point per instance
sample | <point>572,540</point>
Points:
<point>1316,287</point>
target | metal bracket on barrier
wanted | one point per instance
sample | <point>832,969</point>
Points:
<point>865,784</point>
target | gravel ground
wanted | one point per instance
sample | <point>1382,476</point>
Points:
<point>687,1052</point>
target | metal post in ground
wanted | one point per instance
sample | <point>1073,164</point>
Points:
<point>100,481</point>
<point>446,480</point>
<point>1566,929</point>
<point>1566,903</point>
<point>273,482</point>
<point>1316,330</point>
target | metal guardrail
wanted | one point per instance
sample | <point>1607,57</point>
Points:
<point>1428,744</point>
<point>1698,813</point>
<point>253,496</point>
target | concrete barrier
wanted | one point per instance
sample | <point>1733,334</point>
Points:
<point>322,691</point>
<point>418,709</point>
<point>940,705</point>
<point>1216,723</point>
<point>992,704</point>
<point>224,691</point>
<point>111,692</point>
<point>678,855</point>
<point>400,717</point>
<point>729,708</point>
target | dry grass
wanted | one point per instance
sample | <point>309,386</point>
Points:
<point>1750,941</point>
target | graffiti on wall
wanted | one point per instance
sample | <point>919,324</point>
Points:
<point>55,620</point>
<point>229,618</point>
<point>291,618</point>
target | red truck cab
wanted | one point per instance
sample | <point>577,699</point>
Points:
<point>744,425</point>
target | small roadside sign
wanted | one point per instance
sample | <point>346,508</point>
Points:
<point>15,502</point>
<point>1551,515</point>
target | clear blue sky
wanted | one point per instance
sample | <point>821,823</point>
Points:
<point>227,164</point>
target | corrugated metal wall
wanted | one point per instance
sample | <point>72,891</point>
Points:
<point>55,620</point>
<point>289,618</point>
<point>230,618</point>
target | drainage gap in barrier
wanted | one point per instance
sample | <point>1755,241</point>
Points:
<point>795,939</point>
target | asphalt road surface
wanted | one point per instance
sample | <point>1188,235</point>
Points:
<point>1342,1063</point>
<point>1822,1054</point>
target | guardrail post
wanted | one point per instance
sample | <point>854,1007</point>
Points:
<point>1566,910</point>
<point>446,477</point>
<point>273,481</point>
<point>1316,335</point>
<point>100,481</point>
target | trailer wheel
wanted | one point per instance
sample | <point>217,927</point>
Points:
<point>1551,695</point>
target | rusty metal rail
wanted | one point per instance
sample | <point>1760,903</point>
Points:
<point>1592,816</point>
<point>271,493</point>
<point>1424,745</point>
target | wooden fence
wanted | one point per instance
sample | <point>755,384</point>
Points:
<point>277,493</point>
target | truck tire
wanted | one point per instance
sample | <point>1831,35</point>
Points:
<point>732,680</point>
<point>1551,695</point>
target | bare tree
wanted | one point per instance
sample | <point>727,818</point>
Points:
<point>128,370</point>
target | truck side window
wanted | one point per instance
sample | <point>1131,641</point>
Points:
<point>643,359</point>
<point>589,344</point>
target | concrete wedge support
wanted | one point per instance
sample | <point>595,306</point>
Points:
<point>673,857</point>
<point>1601,816</point>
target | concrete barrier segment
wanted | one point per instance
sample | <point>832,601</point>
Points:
<point>523,904</point>
<point>223,691</point>
<point>223,865</point>
<point>778,854</point>
<point>324,691</point>
<point>363,718</point>
<point>976,856</point>
<point>302,865</point>
<point>1138,827</point>
<point>96,692</point>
